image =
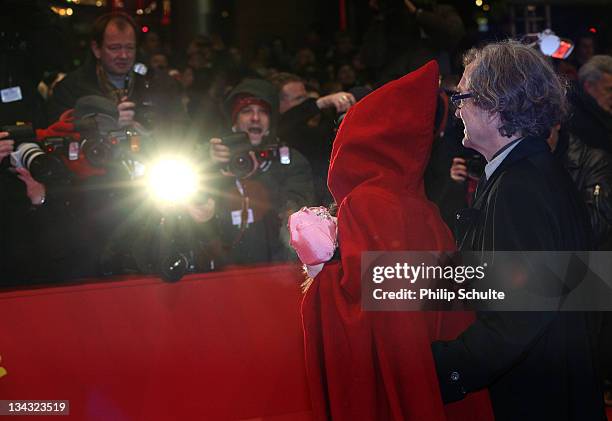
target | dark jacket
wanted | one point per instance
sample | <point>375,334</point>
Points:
<point>156,96</point>
<point>314,142</point>
<point>38,243</point>
<point>31,43</point>
<point>591,170</point>
<point>590,122</point>
<point>17,233</point>
<point>274,192</point>
<point>537,365</point>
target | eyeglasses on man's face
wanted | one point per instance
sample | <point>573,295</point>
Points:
<point>458,98</point>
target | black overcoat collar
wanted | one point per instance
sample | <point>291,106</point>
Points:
<point>527,147</point>
<point>466,219</point>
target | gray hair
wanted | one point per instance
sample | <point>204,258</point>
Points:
<point>517,82</point>
<point>593,70</point>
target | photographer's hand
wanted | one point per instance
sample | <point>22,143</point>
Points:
<point>342,101</point>
<point>458,171</point>
<point>202,212</point>
<point>219,153</point>
<point>6,146</point>
<point>410,6</point>
<point>126,112</point>
<point>36,191</point>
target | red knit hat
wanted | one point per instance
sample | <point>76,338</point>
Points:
<point>242,101</point>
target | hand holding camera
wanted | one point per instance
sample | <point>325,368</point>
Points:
<point>219,153</point>
<point>36,191</point>
<point>241,159</point>
<point>6,145</point>
<point>126,111</point>
<point>458,171</point>
<point>472,167</point>
<point>203,212</point>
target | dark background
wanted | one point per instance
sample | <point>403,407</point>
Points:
<point>246,23</point>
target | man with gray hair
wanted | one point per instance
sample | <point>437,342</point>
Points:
<point>591,118</point>
<point>536,365</point>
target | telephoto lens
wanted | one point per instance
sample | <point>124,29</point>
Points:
<point>41,165</point>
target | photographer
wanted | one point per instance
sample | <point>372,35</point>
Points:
<point>252,209</point>
<point>28,246</point>
<point>110,73</point>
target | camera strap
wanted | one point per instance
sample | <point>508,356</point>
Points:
<point>244,212</point>
<point>111,91</point>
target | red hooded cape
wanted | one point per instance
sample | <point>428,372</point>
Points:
<point>378,365</point>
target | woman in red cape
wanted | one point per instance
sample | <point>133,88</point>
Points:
<point>378,365</point>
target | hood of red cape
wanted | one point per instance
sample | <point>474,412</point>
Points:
<point>385,139</point>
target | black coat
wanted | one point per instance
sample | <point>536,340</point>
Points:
<point>158,90</point>
<point>537,365</point>
<point>315,143</point>
<point>591,170</point>
<point>31,43</point>
<point>590,122</point>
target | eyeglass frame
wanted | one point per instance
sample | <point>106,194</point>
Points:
<point>457,98</point>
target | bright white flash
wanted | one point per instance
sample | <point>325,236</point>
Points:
<point>172,180</point>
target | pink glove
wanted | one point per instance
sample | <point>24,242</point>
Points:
<point>313,235</point>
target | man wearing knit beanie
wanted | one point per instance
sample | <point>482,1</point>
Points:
<point>252,210</point>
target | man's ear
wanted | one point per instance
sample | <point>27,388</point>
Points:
<point>494,118</point>
<point>588,87</point>
<point>95,49</point>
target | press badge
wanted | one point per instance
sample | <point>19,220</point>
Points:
<point>73,151</point>
<point>11,94</point>
<point>285,157</point>
<point>237,217</point>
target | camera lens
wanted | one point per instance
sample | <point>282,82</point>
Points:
<point>98,153</point>
<point>174,267</point>
<point>30,152</point>
<point>241,165</point>
<point>42,166</point>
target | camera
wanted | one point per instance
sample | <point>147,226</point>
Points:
<point>101,150</point>
<point>475,165</point>
<point>36,156</point>
<point>241,162</point>
<point>167,244</point>
<point>146,110</point>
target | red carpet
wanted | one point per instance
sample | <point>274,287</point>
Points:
<point>609,412</point>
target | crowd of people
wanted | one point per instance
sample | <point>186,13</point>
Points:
<point>289,106</point>
<point>290,101</point>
